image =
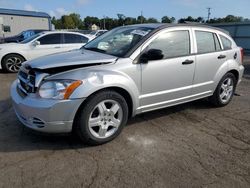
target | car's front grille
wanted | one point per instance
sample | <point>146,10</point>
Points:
<point>26,81</point>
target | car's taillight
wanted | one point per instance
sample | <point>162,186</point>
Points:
<point>241,55</point>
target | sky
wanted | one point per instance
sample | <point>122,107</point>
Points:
<point>133,8</point>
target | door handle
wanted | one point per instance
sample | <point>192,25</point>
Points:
<point>187,62</point>
<point>221,56</point>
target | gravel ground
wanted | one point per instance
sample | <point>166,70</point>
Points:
<point>190,145</point>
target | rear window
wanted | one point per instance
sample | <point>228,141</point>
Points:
<point>227,44</point>
<point>74,38</point>
<point>207,42</point>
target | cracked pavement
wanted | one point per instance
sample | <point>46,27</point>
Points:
<point>189,145</point>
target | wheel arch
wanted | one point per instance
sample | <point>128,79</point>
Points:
<point>13,54</point>
<point>119,90</point>
<point>235,73</point>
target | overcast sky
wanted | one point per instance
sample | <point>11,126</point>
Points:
<point>133,8</point>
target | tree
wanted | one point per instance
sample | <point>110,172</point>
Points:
<point>191,19</point>
<point>89,21</point>
<point>166,19</point>
<point>152,20</point>
<point>130,21</point>
<point>121,19</point>
<point>56,22</point>
<point>68,22</point>
<point>77,20</point>
<point>228,18</point>
<point>141,19</point>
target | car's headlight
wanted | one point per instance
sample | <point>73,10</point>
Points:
<point>58,89</point>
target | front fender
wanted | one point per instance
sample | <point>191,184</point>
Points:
<point>98,79</point>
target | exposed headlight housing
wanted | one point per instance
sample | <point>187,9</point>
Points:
<point>58,89</point>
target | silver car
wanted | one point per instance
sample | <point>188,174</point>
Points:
<point>126,71</point>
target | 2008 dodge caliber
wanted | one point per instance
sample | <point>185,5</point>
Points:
<point>126,71</point>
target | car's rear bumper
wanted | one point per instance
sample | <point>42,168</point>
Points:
<point>44,115</point>
<point>241,72</point>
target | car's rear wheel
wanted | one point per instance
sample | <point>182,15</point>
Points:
<point>224,91</point>
<point>12,62</point>
<point>101,118</point>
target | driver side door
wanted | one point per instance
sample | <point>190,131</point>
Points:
<point>168,81</point>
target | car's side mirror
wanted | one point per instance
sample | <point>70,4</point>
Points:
<point>36,43</point>
<point>152,54</point>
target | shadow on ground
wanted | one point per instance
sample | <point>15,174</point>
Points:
<point>15,137</point>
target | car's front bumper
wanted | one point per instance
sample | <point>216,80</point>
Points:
<point>45,115</point>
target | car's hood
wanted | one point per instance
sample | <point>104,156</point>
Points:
<point>10,45</point>
<point>74,58</point>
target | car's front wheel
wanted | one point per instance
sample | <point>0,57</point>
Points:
<point>101,118</point>
<point>224,91</point>
<point>12,62</point>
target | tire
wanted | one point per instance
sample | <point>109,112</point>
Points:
<point>224,91</point>
<point>101,118</point>
<point>12,63</point>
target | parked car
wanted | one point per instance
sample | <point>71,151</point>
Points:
<point>12,55</point>
<point>22,36</point>
<point>94,90</point>
<point>97,33</point>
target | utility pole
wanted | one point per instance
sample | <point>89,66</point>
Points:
<point>104,22</point>
<point>208,13</point>
<point>141,17</point>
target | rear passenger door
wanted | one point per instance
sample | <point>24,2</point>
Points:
<point>209,58</point>
<point>73,41</point>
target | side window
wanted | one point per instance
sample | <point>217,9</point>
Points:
<point>172,44</point>
<point>227,44</point>
<point>50,39</point>
<point>206,42</point>
<point>73,38</point>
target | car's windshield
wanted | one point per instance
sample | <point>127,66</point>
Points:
<point>118,41</point>
<point>30,38</point>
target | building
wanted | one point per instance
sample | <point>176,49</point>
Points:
<point>94,27</point>
<point>13,22</point>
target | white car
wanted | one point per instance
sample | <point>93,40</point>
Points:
<point>94,34</point>
<point>12,55</point>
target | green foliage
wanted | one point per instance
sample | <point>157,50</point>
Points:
<point>74,21</point>
<point>228,18</point>
<point>191,19</point>
<point>166,19</point>
<point>68,22</point>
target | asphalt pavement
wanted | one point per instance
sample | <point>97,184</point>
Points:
<point>189,145</point>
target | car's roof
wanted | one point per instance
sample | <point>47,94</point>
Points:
<point>167,25</point>
<point>71,32</point>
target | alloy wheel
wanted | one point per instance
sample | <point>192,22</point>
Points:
<point>13,64</point>
<point>226,90</point>
<point>105,119</point>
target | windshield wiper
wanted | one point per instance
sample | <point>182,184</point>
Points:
<point>96,50</point>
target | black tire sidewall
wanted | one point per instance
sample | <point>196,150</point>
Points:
<point>85,110</point>
<point>217,92</point>
<point>4,67</point>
